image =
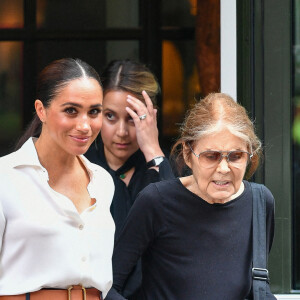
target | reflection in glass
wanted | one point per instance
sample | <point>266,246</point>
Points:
<point>180,83</point>
<point>10,95</point>
<point>96,53</point>
<point>179,13</point>
<point>122,50</point>
<point>11,14</point>
<point>296,146</point>
<point>70,14</point>
<point>87,15</point>
<point>93,52</point>
<point>122,14</point>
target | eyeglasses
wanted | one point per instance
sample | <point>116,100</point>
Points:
<point>209,159</point>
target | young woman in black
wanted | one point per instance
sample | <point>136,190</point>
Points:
<point>128,146</point>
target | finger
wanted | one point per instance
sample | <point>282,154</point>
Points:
<point>137,105</point>
<point>133,115</point>
<point>148,101</point>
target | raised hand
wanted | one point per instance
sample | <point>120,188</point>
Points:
<point>144,117</point>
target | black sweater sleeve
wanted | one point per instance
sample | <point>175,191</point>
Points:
<point>147,176</point>
<point>165,170</point>
<point>142,225</point>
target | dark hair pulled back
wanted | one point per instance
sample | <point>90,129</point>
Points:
<point>50,81</point>
<point>130,76</point>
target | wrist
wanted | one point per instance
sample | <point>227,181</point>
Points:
<point>155,161</point>
<point>152,153</point>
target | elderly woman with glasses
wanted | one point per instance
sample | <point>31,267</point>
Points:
<point>194,233</point>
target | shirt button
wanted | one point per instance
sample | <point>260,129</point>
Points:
<point>83,259</point>
<point>81,226</point>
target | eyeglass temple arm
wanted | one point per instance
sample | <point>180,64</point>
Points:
<point>197,155</point>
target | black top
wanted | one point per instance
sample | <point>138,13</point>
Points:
<point>190,249</point>
<point>125,195</point>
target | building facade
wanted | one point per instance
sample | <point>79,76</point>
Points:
<point>262,43</point>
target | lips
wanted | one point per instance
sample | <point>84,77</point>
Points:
<point>122,145</point>
<point>80,139</point>
<point>221,182</point>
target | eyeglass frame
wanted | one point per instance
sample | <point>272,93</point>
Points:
<point>222,155</point>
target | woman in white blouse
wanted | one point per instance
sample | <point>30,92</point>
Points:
<point>56,230</point>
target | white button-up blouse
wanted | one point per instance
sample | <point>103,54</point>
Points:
<point>44,241</point>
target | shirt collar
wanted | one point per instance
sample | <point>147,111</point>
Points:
<point>91,168</point>
<point>27,156</point>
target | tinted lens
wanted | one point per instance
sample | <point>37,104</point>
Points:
<point>238,157</point>
<point>209,158</point>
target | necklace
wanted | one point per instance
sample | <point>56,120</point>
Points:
<point>122,176</point>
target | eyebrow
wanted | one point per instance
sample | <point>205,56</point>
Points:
<point>79,105</point>
<point>109,109</point>
<point>113,111</point>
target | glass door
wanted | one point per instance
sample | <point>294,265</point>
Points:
<point>296,145</point>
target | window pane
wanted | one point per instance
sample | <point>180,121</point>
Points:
<point>296,145</point>
<point>120,13</point>
<point>180,84</point>
<point>93,52</point>
<point>122,50</point>
<point>179,13</point>
<point>86,15</point>
<point>10,95</point>
<point>96,53</point>
<point>11,14</point>
<point>70,14</point>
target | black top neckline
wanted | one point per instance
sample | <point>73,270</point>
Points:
<point>135,160</point>
<point>228,203</point>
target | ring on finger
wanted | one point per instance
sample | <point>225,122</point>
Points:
<point>142,117</point>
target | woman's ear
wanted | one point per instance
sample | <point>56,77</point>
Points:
<point>186,152</point>
<point>40,110</point>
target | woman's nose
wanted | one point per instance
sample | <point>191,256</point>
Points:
<point>83,124</point>
<point>122,129</point>
<point>223,166</point>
